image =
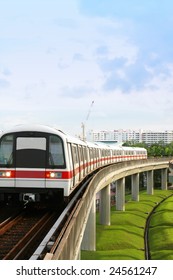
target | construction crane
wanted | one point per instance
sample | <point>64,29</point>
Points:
<point>83,125</point>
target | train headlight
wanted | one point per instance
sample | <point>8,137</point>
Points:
<point>53,175</point>
<point>5,174</point>
<point>8,174</point>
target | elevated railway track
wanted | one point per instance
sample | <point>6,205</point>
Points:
<point>62,237</point>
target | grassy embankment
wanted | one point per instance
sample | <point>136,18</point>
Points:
<point>161,231</point>
<point>124,239</point>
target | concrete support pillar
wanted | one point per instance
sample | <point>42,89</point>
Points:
<point>89,238</point>
<point>105,205</point>
<point>164,182</point>
<point>150,182</point>
<point>78,256</point>
<point>115,184</point>
<point>135,187</point>
<point>120,194</point>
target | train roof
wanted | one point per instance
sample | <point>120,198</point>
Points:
<point>45,129</point>
<point>64,136</point>
<point>31,127</point>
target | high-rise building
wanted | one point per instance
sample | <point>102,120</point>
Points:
<point>138,136</point>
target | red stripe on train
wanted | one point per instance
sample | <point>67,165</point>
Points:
<point>60,174</point>
<point>30,174</point>
<point>34,174</point>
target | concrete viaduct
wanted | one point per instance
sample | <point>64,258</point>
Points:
<point>81,233</point>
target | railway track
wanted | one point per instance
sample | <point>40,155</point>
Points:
<point>147,227</point>
<point>7,211</point>
<point>21,234</point>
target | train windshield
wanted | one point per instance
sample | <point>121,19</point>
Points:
<point>32,150</point>
<point>6,150</point>
<point>56,154</point>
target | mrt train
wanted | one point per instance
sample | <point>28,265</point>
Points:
<point>39,162</point>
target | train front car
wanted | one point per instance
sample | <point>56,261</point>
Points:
<point>33,166</point>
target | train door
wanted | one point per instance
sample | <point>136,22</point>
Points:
<point>88,160</point>
<point>91,155</point>
<point>75,160</point>
<point>99,157</point>
<point>84,160</point>
<point>81,160</point>
<point>94,158</point>
<point>30,162</point>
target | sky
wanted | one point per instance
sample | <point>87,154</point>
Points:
<point>105,63</point>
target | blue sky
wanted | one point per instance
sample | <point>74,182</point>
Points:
<point>56,57</point>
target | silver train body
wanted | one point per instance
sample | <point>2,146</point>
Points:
<point>37,162</point>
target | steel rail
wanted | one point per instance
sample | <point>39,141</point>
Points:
<point>10,222</point>
<point>19,250</point>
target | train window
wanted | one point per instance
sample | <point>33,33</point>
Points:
<point>80,150</point>
<point>30,152</point>
<point>84,152</point>
<point>94,153</point>
<point>31,143</point>
<point>6,150</point>
<point>97,153</point>
<point>91,153</point>
<point>56,154</point>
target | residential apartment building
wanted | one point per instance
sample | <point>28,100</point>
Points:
<point>121,136</point>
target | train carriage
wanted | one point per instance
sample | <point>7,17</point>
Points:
<point>38,162</point>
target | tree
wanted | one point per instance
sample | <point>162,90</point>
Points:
<point>154,150</point>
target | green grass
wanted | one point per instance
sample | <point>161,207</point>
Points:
<point>124,239</point>
<point>161,231</point>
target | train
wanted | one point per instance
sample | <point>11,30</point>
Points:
<point>38,162</point>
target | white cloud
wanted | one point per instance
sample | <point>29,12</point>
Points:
<point>55,61</point>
